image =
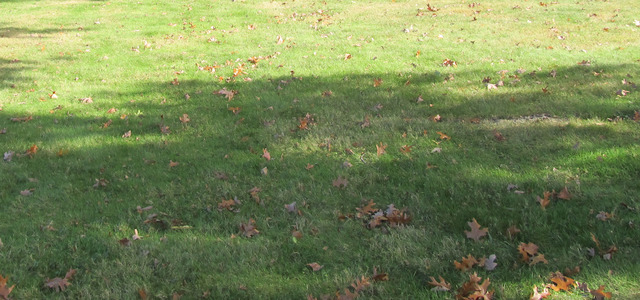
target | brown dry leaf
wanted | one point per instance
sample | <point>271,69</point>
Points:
<point>59,284</point>
<point>476,232</point>
<point>473,290</point>
<point>226,204</point>
<point>561,282</point>
<point>380,149</point>
<point>107,124</point>
<point>636,116</point>
<point>443,136</point>
<point>88,100</point>
<point>291,207</point>
<point>22,119</point>
<point>512,231</point>
<point>538,259</point>
<point>466,264</point>
<point>4,290</point>
<point>537,295</point>
<point>266,154</point>
<point>527,251</point>
<point>296,234</point>
<point>600,294</point>
<point>347,56</point>
<point>365,123</point>
<point>112,110</point>
<point>125,242</point>
<point>564,194</point>
<point>249,229</point>
<point>379,276</point>
<point>406,149</point>
<point>185,118</point>
<point>136,236</point>
<point>227,93</point>
<point>544,202</point>
<point>439,286</point>
<point>498,136</point>
<point>173,163</point>
<point>235,110</point>
<point>315,266</point>
<point>127,134</point>
<point>366,210</point>
<point>32,150</point>
<point>254,193</point>
<point>377,82</point>
<point>327,93</point>
<point>27,192</point>
<point>341,182</point>
<point>143,294</point>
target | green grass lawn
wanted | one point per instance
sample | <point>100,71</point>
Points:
<point>243,141</point>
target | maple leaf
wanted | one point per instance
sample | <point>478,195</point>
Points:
<point>59,284</point>
<point>564,194</point>
<point>249,229</point>
<point>4,290</point>
<point>341,182</point>
<point>266,154</point>
<point>380,149</point>
<point>537,295</point>
<point>600,294</point>
<point>466,264</point>
<point>439,286</point>
<point>476,232</point>
<point>473,290</point>
<point>315,266</point>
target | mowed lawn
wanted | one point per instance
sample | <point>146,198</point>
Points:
<point>319,149</point>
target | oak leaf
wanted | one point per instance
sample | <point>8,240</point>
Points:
<point>561,282</point>
<point>4,290</point>
<point>367,209</point>
<point>538,259</point>
<point>315,266</point>
<point>466,264</point>
<point>476,232</point>
<point>226,204</point>
<point>185,118</point>
<point>249,229</point>
<point>537,295</point>
<point>443,136</point>
<point>564,194</point>
<point>32,150</point>
<point>341,182</point>
<point>59,284</point>
<point>266,154</point>
<point>380,149</point>
<point>600,294</point>
<point>439,286</point>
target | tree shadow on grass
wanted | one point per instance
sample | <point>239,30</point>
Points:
<point>221,147</point>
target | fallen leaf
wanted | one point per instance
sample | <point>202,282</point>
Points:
<point>380,276</point>
<point>266,154</point>
<point>512,231</point>
<point>173,163</point>
<point>466,264</point>
<point>490,264</point>
<point>136,236</point>
<point>185,118</point>
<point>111,110</point>
<point>537,295</point>
<point>22,119</point>
<point>127,134</point>
<point>143,294</point>
<point>476,232</point>
<point>406,149</point>
<point>538,259</point>
<point>439,286</point>
<point>600,294</point>
<point>26,192</point>
<point>125,242</point>
<point>527,251</point>
<point>561,282</point>
<point>249,229</point>
<point>544,202</point>
<point>604,216</point>
<point>59,284</point>
<point>443,136</point>
<point>499,137</point>
<point>380,149</point>
<point>8,156</point>
<point>227,93</point>
<point>32,150</point>
<point>291,207</point>
<point>296,234</point>
<point>315,266</point>
<point>4,291</point>
<point>564,194</point>
<point>88,100</point>
<point>377,82</point>
<point>341,182</point>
